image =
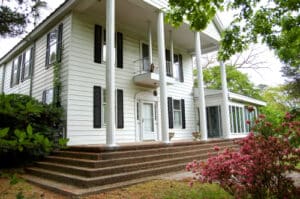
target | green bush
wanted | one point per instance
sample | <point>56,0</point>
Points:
<point>28,129</point>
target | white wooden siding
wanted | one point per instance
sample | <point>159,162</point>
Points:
<point>21,88</point>
<point>84,74</point>
<point>43,77</point>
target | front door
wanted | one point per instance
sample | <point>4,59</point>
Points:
<point>148,125</point>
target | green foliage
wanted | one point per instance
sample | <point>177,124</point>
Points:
<point>237,81</point>
<point>198,13</point>
<point>278,103</point>
<point>275,23</point>
<point>14,19</point>
<point>29,129</point>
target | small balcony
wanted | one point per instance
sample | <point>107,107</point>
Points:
<point>148,75</point>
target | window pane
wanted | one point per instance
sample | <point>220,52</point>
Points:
<point>176,104</point>
<point>49,96</point>
<point>53,37</point>
<point>177,119</point>
<point>27,63</point>
<point>52,53</point>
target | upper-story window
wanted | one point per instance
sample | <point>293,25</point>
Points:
<point>54,45</point>
<point>22,67</point>
<point>15,73</point>
<point>27,63</point>
<point>100,47</point>
<point>175,70</point>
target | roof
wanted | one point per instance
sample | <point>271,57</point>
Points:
<point>53,18</point>
<point>232,96</point>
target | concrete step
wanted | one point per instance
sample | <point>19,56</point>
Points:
<point>96,169</point>
<point>78,154</point>
<point>141,146</point>
<point>77,192</point>
<point>113,169</point>
<point>102,180</point>
<point>170,150</point>
<point>124,160</point>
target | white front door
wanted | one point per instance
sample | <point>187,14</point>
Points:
<point>148,124</point>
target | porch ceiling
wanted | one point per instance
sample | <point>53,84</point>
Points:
<point>133,15</point>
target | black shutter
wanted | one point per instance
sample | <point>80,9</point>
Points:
<point>98,44</point>
<point>183,113</point>
<point>181,78</point>
<point>59,43</point>
<point>97,107</point>
<point>120,109</point>
<point>119,50</point>
<point>23,66</point>
<point>48,49</point>
<point>170,112</point>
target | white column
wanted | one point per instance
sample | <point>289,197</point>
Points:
<point>110,72</point>
<point>150,42</point>
<point>225,115</point>
<point>202,106</point>
<point>162,77</point>
<point>172,52</point>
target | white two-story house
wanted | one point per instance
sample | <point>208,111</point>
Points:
<point>126,75</point>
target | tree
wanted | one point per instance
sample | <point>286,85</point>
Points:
<point>278,103</point>
<point>275,23</point>
<point>237,81</point>
<point>15,15</point>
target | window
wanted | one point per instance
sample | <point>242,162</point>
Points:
<point>104,107</point>
<point>237,119</point>
<point>177,114</point>
<point>176,67</point>
<point>100,47</point>
<point>27,64</point>
<point>15,73</point>
<point>47,96</point>
<point>250,116</point>
<point>169,64</point>
<point>145,57</point>
<point>54,46</point>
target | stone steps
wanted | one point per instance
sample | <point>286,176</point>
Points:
<point>96,169</point>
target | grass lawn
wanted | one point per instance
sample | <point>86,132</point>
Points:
<point>156,189</point>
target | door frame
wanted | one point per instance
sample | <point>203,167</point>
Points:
<point>154,119</point>
<point>148,97</point>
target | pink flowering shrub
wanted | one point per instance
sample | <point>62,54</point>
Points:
<point>258,168</point>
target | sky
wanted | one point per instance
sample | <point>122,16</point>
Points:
<point>270,73</point>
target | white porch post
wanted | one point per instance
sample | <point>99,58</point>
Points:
<point>110,72</point>
<point>150,42</point>
<point>171,51</point>
<point>225,115</point>
<point>162,77</point>
<point>202,106</point>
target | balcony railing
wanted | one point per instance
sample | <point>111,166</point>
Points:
<point>148,74</point>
